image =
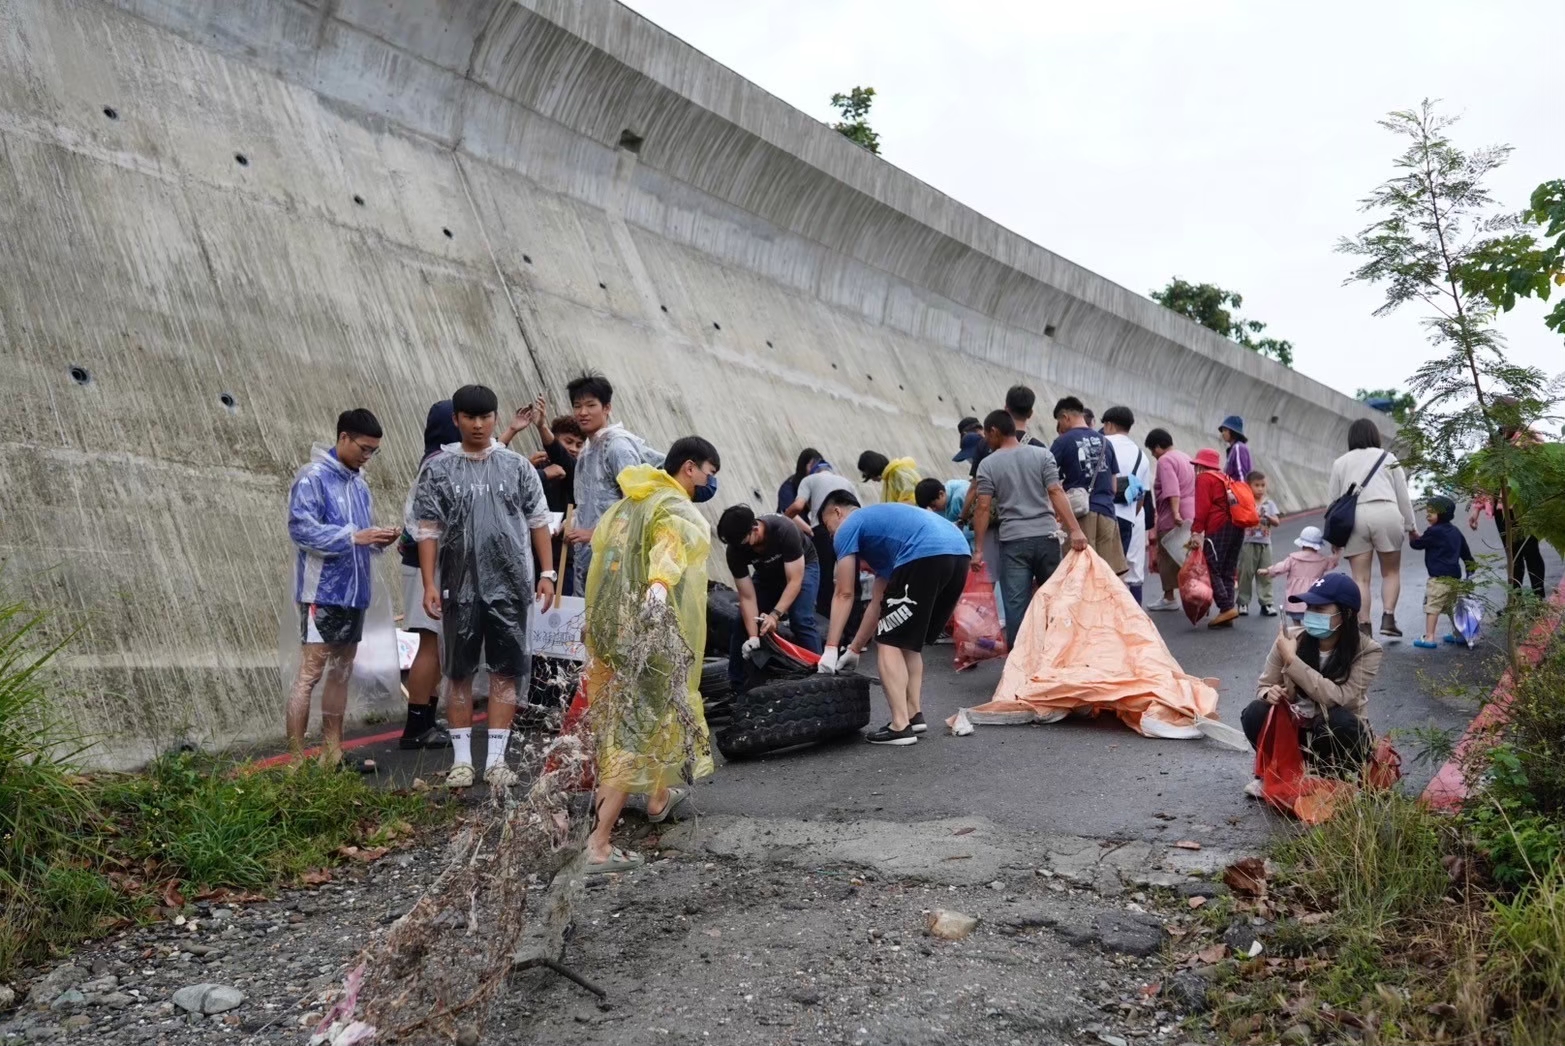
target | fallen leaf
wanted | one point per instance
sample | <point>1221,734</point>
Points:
<point>1313,918</point>
<point>172,898</point>
<point>1246,877</point>
<point>713,932</point>
<point>1196,902</point>
<point>315,877</point>
<point>366,855</point>
<point>1441,1009</point>
<point>968,830</point>
<point>1188,844</point>
<point>1213,953</point>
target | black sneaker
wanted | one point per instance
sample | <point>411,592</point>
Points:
<point>917,724</point>
<point>434,737</point>
<point>1267,610</point>
<point>887,736</point>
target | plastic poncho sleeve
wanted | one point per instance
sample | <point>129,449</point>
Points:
<point>306,520</point>
<point>899,480</point>
<point>427,504</point>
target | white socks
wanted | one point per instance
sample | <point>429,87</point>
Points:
<point>494,755</point>
<point>462,746</point>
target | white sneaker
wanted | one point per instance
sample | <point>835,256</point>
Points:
<point>1255,789</point>
<point>1244,609</point>
<point>1164,604</point>
<point>500,776</point>
<point>460,776</point>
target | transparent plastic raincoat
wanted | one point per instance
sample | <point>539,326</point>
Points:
<point>899,480</point>
<point>327,504</point>
<point>481,508</point>
<point>644,669</point>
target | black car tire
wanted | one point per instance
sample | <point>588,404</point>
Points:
<point>795,712</point>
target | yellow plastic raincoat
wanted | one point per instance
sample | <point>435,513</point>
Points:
<point>650,731</point>
<point>899,480</point>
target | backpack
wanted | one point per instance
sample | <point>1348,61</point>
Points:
<point>1242,511</point>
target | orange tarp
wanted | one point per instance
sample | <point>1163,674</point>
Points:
<point>1087,645</point>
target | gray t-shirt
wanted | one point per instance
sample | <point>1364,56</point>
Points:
<point>1018,479</point>
<point>814,488</point>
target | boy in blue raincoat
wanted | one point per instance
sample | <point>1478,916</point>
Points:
<point>332,526</point>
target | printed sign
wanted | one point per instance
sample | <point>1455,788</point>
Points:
<point>558,632</point>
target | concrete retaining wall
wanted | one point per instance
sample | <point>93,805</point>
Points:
<point>239,218</point>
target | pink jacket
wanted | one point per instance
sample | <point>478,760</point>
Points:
<point>1302,569</point>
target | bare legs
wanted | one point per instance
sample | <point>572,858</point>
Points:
<point>611,803</point>
<point>1390,581</point>
<point>1359,566</point>
<point>424,675</point>
<point>902,677</point>
<point>334,665</point>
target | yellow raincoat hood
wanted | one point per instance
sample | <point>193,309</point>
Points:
<point>899,480</point>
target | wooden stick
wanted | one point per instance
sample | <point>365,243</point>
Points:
<point>565,554</point>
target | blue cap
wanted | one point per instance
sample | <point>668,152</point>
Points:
<point>1333,588</point>
<point>970,445</point>
<point>1233,423</point>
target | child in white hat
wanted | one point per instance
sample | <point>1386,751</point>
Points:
<point>1302,568</point>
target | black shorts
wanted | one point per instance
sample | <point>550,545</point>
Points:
<point>473,632</point>
<point>919,599</point>
<point>334,626</point>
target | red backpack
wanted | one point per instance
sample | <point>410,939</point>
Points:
<point>1242,511</point>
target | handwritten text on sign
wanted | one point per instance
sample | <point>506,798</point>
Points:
<point>558,632</point>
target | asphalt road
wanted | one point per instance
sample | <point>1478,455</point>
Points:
<point>1088,777</point>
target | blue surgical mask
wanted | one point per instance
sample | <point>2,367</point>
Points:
<point>707,491</point>
<point>1318,624</point>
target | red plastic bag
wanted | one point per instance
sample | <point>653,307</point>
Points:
<point>976,622</point>
<point>1195,585</point>
<point>584,778</point>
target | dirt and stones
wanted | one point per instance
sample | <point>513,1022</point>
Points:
<point>713,941</point>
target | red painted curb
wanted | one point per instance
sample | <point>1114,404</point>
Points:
<point>1449,787</point>
<point>348,745</point>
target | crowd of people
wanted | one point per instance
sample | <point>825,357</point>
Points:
<point>489,535</point>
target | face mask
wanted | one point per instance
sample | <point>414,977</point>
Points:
<point>707,491</point>
<point>1317,624</point>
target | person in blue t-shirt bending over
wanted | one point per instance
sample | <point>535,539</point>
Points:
<point>920,564</point>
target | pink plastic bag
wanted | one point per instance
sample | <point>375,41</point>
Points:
<point>1195,585</point>
<point>976,622</point>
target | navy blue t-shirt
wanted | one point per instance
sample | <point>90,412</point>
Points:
<point>1445,550</point>
<point>1086,460</point>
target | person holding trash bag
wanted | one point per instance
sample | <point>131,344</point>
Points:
<point>1323,674</point>
<point>646,629</point>
<point>478,512</point>
<point>331,524</point>
<point>1024,483</point>
<point>1213,526</point>
<point>920,565</point>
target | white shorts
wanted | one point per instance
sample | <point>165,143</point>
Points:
<point>413,617</point>
<point>1377,525</point>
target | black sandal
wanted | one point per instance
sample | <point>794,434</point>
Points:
<point>434,737</point>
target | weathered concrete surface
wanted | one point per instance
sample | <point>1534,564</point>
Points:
<point>241,217</point>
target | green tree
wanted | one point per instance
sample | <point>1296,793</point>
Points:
<point>1525,264</point>
<point>854,125</point>
<point>1402,403</point>
<point>1432,219</point>
<point>1210,305</point>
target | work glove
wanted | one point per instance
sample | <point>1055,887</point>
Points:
<point>848,661</point>
<point>828,662</point>
<point>655,604</point>
<point>656,593</point>
<point>750,646</point>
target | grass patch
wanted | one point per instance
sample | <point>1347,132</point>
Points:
<point>82,854</point>
<point>1399,925</point>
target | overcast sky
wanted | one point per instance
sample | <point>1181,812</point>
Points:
<point>1224,142</point>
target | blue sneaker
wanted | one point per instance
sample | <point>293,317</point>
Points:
<point>1425,644</point>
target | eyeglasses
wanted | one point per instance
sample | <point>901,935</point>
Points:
<point>368,452</point>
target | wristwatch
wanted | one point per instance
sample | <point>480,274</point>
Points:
<point>549,575</point>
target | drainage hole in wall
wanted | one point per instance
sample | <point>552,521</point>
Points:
<point>833,366</point>
<point>1048,330</point>
<point>111,112</point>
<point>358,199</point>
<point>768,345</point>
<point>446,233</point>
<point>81,375</point>
<point>942,399</point>
<point>1274,419</point>
<point>755,494</point>
<point>871,377</point>
<point>602,286</point>
<point>242,160</point>
<point>663,307</point>
<point>900,387</point>
<point>630,141</point>
<point>717,326</point>
<point>227,400</point>
<point>527,258</point>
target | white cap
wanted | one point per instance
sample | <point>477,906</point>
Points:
<point>1310,537</point>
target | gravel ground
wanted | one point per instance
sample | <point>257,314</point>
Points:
<point>697,947</point>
